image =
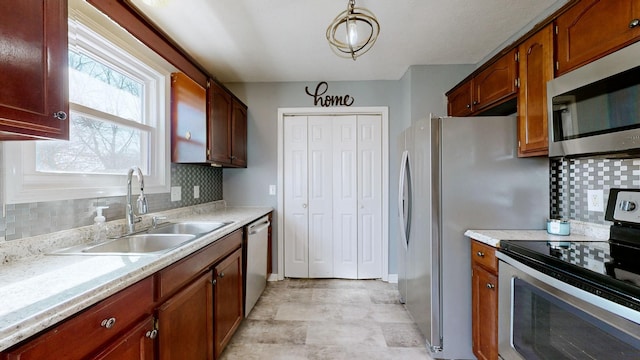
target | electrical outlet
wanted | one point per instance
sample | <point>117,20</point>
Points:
<point>595,200</point>
<point>196,191</point>
<point>176,193</point>
<point>272,189</point>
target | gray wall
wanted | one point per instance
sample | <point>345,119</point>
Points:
<point>419,92</point>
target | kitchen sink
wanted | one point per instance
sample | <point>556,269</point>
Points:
<point>188,227</point>
<point>141,243</point>
<point>153,241</point>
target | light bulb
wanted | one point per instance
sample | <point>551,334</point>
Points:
<point>352,33</point>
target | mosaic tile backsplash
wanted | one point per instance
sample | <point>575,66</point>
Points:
<point>570,180</point>
<point>26,220</point>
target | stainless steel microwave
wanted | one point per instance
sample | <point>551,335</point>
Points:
<point>595,109</point>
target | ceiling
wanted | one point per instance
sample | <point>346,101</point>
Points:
<point>284,40</point>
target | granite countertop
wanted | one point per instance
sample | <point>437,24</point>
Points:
<point>39,291</point>
<point>580,231</point>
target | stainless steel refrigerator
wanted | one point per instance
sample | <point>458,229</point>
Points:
<point>458,174</point>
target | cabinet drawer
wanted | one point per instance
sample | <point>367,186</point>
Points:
<point>179,274</point>
<point>83,334</point>
<point>484,255</point>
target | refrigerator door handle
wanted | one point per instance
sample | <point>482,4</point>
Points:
<point>405,218</point>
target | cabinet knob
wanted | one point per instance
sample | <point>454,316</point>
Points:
<point>60,115</point>
<point>475,102</point>
<point>108,323</point>
<point>151,334</point>
<point>468,106</point>
<point>490,286</point>
<point>480,254</point>
<point>634,23</point>
<point>188,135</point>
<point>214,281</point>
<point>221,275</point>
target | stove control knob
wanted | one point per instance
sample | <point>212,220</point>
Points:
<point>626,205</point>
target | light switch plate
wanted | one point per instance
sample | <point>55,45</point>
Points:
<point>196,191</point>
<point>272,189</point>
<point>595,200</point>
<point>176,193</point>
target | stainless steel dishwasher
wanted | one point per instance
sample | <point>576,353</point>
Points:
<point>257,241</point>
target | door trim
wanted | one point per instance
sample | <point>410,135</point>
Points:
<point>383,111</point>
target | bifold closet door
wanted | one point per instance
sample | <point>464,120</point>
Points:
<point>333,196</point>
<point>296,210</point>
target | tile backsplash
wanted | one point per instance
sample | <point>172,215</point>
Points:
<point>571,179</point>
<point>26,220</point>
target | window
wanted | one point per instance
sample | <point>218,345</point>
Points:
<point>117,120</point>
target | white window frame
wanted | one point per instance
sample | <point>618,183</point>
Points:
<point>23,184</point>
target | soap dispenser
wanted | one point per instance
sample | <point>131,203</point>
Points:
<point>99,225</point>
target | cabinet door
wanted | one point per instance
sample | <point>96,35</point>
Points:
<point>227,299</point>
<point>594,28</point>
<point>185,323</point>
<point>34,96</point>
<point>188,120</point>
<point>239,135</point>
<point>219,121</point>
<point>536,68</point>
<point>136,344</point>
<point>484,313</point>
<point>495,83</point>
<point>459,101</point>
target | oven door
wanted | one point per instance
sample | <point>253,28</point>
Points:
<point>543,318</point>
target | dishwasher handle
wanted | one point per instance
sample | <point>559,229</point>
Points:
<point>259,225</point>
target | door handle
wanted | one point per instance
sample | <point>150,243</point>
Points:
<point>304,206</point>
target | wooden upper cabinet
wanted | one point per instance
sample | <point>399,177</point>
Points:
<point>239,134</point>
<point>495,83</point>
<point>490,87</point>
<point>459,101</point>
<point>219,124</point>
<point>188,120</point>
<point>536,68</point>
<point>227,128</point>
<point>34,96</point>
<point>594,28</point>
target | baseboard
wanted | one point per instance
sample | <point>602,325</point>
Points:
<point>393,278</point>
<point>274,277</point>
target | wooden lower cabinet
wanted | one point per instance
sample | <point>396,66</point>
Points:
<point>137,344</point>
<point>185,323</point>
<point>227,299</point>
<point>197,303</point>
<point>484,292</point>
<point>106,325</point>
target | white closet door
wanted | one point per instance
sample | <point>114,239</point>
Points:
<point>345,197</point>
<point>320,199</point>
<point>296,226</point>
<point>369,196</point>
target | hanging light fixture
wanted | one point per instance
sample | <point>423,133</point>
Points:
<point>353,32</point>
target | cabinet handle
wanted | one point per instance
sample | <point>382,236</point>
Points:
<point>480,253</point>
<point>151,334</point>
<point>468,106</point>
<point>60,115</point>
<point>490,286</point>
<point>108,323</point>
<point>634,23</point>
<point>232,157</point>
<point>221,275</point>
<point>214,281</point>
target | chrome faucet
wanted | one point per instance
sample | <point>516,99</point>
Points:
<point>141,202</point>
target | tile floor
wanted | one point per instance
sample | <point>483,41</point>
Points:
<point>329,320</point>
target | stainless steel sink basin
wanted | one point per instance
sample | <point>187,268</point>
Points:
<point>140,244</point>
<point>154,241</point>
<point>188,227</point>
